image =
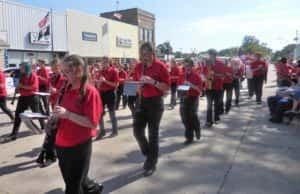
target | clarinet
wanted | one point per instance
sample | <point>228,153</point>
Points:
<point>139,96</point>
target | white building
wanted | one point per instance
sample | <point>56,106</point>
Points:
<point>32,32</point>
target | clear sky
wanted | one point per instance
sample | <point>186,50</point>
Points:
<point>204,24</point>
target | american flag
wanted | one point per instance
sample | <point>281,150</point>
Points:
<point>44,21</point>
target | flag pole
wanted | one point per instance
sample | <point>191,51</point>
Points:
<point>51,30</point>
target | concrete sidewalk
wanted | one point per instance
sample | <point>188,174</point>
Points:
<point>244,154</point>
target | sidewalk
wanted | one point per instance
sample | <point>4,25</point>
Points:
<point>244,154</point>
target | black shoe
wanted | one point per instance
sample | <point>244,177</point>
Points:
<point>101,135</point>
<point>150,171</point>
<point>147,164</point>
<point>114,134</point>
<point>50,157</point>
<point>198,134</point>
<point>188,142</point>
<point>41,158</point>
<point>208,125</point>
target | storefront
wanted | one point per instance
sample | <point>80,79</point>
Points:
<point>32,32</point>
<point>93,37</point>
<point>3,46</point>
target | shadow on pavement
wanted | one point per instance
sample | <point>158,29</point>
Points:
<point>56,191</point>
<point>30,154</point>
<point>122,180</point>
<point>18,167</point>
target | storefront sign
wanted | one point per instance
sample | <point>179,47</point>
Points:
<point>124,42</point>
<point>89,36</point>
<point>39,38</point>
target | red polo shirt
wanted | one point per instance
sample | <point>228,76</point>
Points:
<point>218,68</point>
<point>228,75</point>
<point>43,72</point>
<point>3,84</point>
<point>69,133</point>
<point>32,81</point>
<point>110,74</point>
<point>195,79</point>
<point>56,82</point>
<point>282,71</point>
<point>175,71</point>
<point>156,71</point>
<point>122,76</point>
<point>256,64</point>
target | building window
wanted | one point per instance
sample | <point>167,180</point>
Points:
<point>150,35</point>
<point>144,34</point>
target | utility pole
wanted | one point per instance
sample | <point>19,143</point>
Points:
<point>297,48</point>
<point>117,5</point>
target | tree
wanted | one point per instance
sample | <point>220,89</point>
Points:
<point>251,44</point>
<point>287,51</point>
<point>229,52</point>
<point>178,54</point>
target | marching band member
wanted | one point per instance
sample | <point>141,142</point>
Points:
<point>190,102</point>
<point>258,67</point>
<point>107,83</point>
<point>156,79</point>
<point>214,74</point>
<point>43,75</point>
<point>174,75</point>
<point>122,78</point>
<point>79,114</point>
<point>238,72</point>
<point>3,95</point>
<point>228,86</point>
<point>27,86</point>
<point>132,75</point>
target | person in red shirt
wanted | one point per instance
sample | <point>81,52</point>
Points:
<point>3,95</point>
<point>27,87</point>
<point>174,75</point>
<point>122,78</point>
<point>283,73</point>
<point>214,74</point>
<point>107,83</point>
<point>238,72</point>
<point>79,113</point>
<point>150,106</point>
<point>57,80</point>
<point>43,75</point>
<point>258,67</point>
<point>228,86</point>
<point>132,75</point>
<point>190,102</point>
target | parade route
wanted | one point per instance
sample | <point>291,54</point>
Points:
<point>244,154</point>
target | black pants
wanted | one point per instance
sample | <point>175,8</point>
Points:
<point>74,164</point>
<point>228,89</point>
<point>150,114</point>
<point>44,99</point>
<point>109,99</point>
<point>132,103</point>
<point>4,108</point>
<point>173,94</point>
<point>236,88</point>
<point>24,103</point>
<point>250,87</point>
<point>258,81</point>
<point>188,112</point>
<point>213,98</point>
<point>277,106</point>
<point>119,95</point>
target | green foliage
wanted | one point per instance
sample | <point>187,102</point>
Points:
<point>164,49</point>
<point>251,44</point>
<point>229,52</point>
<point>287,51</point>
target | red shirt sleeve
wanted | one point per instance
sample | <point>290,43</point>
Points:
<point>93,106</point>
<point>2,82</point>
